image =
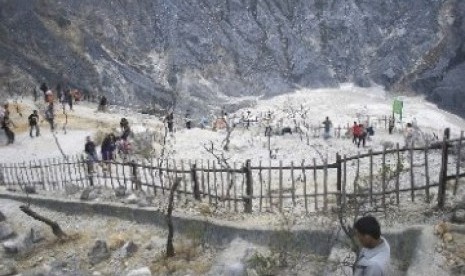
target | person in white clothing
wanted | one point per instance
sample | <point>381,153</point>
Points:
<point>375,255</point>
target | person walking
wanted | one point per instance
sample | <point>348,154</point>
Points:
<point>34,123</point>
<point>375,256</point>
<point>362,135</point>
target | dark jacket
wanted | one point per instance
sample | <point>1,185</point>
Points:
<point>89,148</point>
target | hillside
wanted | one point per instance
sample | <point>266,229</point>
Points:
<point>199,53</point>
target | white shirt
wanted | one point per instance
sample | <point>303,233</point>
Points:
<point>374,261</point>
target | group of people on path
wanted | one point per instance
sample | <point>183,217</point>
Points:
<point>110,144</point>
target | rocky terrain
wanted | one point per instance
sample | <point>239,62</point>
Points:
<point>199,52</point>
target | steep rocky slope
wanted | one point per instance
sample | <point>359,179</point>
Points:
<point>202,52</point>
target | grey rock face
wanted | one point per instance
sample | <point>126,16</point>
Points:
<point>2,217</point>
<point>187,51</point>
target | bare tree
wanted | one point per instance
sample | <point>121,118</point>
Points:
<point>169,244</point>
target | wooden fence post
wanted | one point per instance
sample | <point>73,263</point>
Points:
<point>443,172</point>
<point>249,187</point>
<point>339,178</point>
<point>195,181</point>
<point>90,171</point>
<point>135,181</point>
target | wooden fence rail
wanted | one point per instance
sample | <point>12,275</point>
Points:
<point>407,174</point>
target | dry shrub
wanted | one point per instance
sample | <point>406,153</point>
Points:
<point>188,258</point>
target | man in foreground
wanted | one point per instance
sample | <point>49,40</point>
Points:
<point>374,258</point>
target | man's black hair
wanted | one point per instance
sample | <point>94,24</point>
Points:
<point>368,226</point>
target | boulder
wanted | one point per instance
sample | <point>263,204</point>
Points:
<point>6,231</point>
<point>231,261</point>
<point>120,192</point>
<point>2,217</point>
<point>458,216</point>
<point>71,189</point>
<point>143,271</point>
<point>89,194</point>
<point>8,269</point>
<point>36,235</point>
<point>98,253</point>
<point>128,249</point>
<point>132,199</point>
<point>11,247</point>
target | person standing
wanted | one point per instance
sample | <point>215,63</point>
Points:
<point>50,116</point>
<point>375,255</point>
<point>327,126</point>
<point>169,119</point>
<point>391,124</point>
<point>69,98</point>
<point>34,123</point>
<point>355,133</point>
<point>6,125</point>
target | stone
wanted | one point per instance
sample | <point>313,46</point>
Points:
<point>132,199</point>
<point>71,189</point>
<point>36,235</point>
<point>30,189</point>
<point>11,247</point>
<point>120,192</point>
<point>232,260</point>
<point>235,269</point>
<point>98,253</point>
<point>143,271</point>
<point>447,237</point>
<point>8,269</point>
<point>89,194</point>
<point>458,216</point>
<point>2,217</point>
<point>129,249</point>
<point>6,231</point>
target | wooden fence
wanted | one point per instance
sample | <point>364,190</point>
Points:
<point>390,176</point>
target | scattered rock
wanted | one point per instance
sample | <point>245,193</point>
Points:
<point>30,189</point>
<point>441,228</point>
<point>144,271</point>
<point>132,199</point>
<point>36,236</point>
<point>11,247</point>
<point>129,249</point>
<point>458,216</point>
<point>8,269</point>
<point>235,269</point>
<point>447,237</point>
<point>71,189</point>
<point>98,253</point>
<point>2,217</point>
<point>120,192</point>
<point>89,194</point>
<point>6,231</point>
<point>232,260</point>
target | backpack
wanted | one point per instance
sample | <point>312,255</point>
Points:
<point>33,119</point>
